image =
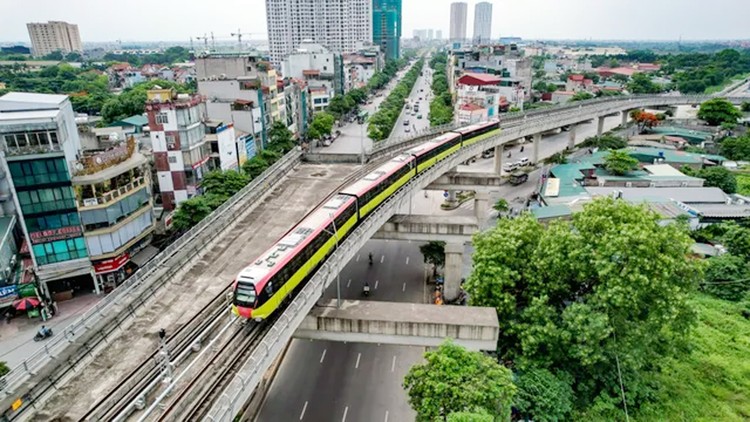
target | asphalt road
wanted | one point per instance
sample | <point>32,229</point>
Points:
<point>354,135</point>
<point>328,381</point>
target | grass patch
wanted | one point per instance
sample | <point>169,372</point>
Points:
<point>712,382</point>
<point>717,88</point>
<point>743,184</point>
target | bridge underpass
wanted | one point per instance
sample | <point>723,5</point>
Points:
<point>515,127</point>
<point>408,324</point>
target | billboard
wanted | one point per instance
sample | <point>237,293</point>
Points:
<point>227,150</point>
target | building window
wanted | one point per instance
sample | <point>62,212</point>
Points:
<point>162,119</point>
<point>172,159</point>
<point>43,200</point>
<point>36,172</point>
<point>171,142</point>
<point>49,222</point>
<point>59,251</point>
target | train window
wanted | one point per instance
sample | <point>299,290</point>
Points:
<point>269,288</point>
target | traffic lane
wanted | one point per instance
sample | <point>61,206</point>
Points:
<point>320,390</point>
<point>396,275</point>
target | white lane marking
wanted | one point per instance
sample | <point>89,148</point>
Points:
<point>323,356</point>
<point>404,288</point>
<point>409,240</point>
<point>386,416</point>
<point>356,366</point>
<point>393,364</point>
<point>346,410</point>
<point>304,408</point>
<point>376,283</point>
<point>382,258</point>
<point>357,258</point>
<point>407,260</point>
<point>348,283</point>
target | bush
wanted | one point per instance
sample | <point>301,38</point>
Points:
<point>724,277</point>
<point>542,396</point>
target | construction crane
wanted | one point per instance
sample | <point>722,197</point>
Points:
<point>205,40</point>
<point>239,35</point>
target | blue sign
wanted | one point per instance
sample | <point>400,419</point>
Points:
<point>8,291</point>
<point>445,194</point>
<point>250,147</point>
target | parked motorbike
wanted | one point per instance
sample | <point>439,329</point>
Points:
<point>42,336</point>
<point>366,290</point>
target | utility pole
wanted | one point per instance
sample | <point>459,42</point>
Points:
<point>213,41</point>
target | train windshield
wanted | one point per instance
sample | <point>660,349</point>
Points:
<point>245,294</point>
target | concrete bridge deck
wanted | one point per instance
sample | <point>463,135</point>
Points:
<point>408,324</point>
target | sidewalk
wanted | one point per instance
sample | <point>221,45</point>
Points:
<point>17,338</point>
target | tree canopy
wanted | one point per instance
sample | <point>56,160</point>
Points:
<point>454,379</point>
<point>542,396</point>
<point>132,101</point>
<point>381,123</point>
<point>321,125</point>
<point>641,83</point>
<point>644,119</point>
<point>725,275</point>
<point>737,148</point>
<point>619,162</point>
<point>434,253</point>
<point>719,177</point>
<point>581,96</point>
<point>605,141</point>
<point>441,106</point>
<point>611,286</point>
<point>717,111</point>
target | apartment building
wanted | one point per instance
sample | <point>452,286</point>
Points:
<point>178,138</point>
<point>386,27</point>
<point>459,15</point>
<point>482,22</point>
<point>321,69</point>
<point>502,61</point>
<point>54,36</point>
<point>339,25</point>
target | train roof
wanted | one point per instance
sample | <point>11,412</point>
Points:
<point>471,128</point>
<point>379,174</point>
<point>293,241</point>
<point>425,147</point>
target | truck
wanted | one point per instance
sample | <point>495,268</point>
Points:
<point>517,178</point>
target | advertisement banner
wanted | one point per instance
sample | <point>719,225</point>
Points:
<point>113,264</point>
<point>62,233</point>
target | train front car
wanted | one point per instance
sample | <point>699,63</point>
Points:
<point>478,132</point>
<point>261,287</point>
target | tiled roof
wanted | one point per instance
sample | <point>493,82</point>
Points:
<point>479,79</point>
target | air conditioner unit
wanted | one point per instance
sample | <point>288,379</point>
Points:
<point>13,261</point>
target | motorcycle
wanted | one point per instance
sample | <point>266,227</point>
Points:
<point>366,290</point>
<point>40,336</point>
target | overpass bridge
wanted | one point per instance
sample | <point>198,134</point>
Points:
<point>71,350</point>
<point>410,324</point>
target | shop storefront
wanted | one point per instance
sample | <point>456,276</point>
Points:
<point>111,272</point>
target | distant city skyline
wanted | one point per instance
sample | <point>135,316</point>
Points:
<point>531,19</point>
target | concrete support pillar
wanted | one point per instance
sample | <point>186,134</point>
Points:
<point>572,137</point>
<point>454,264</point>
<point>624,115</point>
<point>535,154</point>
<point>451,196</point>
<point>481,206</point>
<point>498,160</point>
<point>600,126</point>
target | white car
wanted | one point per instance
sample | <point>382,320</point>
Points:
<point>509,167</point>
<point>407,129</point>
<point>524,161</point>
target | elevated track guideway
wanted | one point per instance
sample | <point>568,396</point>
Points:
<point>195,268</point>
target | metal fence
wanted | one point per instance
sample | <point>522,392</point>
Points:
<point>144,283</point>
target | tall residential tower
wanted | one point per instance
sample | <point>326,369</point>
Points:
<point>459,12</point>
<point>386,27</point>
<point>54,36</point>
<point>482,22</point>
<point>339,25</point>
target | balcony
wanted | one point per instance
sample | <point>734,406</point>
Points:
<point>102,160</point>
<point>114,195</point>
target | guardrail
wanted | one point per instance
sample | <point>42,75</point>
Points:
<point>136,290</point>
<point>249,375</point>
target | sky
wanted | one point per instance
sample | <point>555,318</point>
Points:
<point>178,20</point>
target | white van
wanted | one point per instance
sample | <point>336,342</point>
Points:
<point>524,161</point>
<point>509,167</point>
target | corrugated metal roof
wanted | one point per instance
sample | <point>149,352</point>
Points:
<point>723,210</point>
<point>685,195</point>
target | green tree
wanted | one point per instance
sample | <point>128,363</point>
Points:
<point>736,148</point>
<point>606,141</point>
<point>434,253</point>
<point>727,277</point>
<point>454,379</point>
<point>501,205</point>
<point>542,396</point>
<point>258,164</point>
<point>132,101</point>
<point>737,240</point>
<point>717,111</point>
<point>619,162</point>
<point>191,212</point>
<point>612,285</point>
<point>4,369</point>
<point>280,139</point>
<point>719,177</point>
<point>224,183</point>
<point>581,96</point>
<point>321,125</point>
<point>641,83</point>
<point>745,107</point>
<point>477,416</point>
